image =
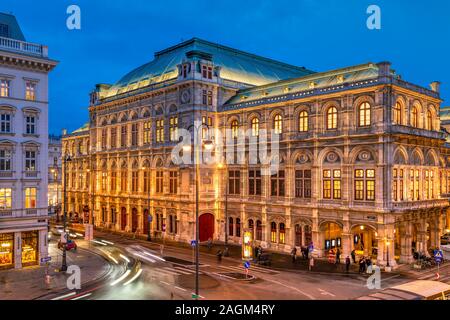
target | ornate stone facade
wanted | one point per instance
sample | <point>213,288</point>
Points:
<point>362,158</point>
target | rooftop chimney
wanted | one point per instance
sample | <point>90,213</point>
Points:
<point>435,85</point>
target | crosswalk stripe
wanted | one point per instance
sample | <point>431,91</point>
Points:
<point>255,269</point>
<point>171,271</point>
<point>184,270</point>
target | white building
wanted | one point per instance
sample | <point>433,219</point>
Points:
<point>24,69</point>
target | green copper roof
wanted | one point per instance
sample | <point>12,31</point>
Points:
<point>306,83</point>
<point>235,65</point>
<point>84,128</point>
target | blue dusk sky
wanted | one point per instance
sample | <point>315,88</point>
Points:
<point>117,36</point>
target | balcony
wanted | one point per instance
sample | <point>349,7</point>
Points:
<point>420,204</point>
<point>5,213</point>
<point>401,129</point>
<point>31,212</point>
<point>27,48</point>
<point>31,174</point>
<point>6,174</point>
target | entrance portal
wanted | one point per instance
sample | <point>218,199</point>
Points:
<point>123,218</point>
<point>206,227</point>
<point>134,220</point>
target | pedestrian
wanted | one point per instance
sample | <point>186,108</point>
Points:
<point>338,256</point>
<point>260,252</point>
<point>225,252</point>
<point>311,263</point>
<point>209,244</point>
<point>219,255</point>
<point>353,254</point>
<point>368,265</point>
<point>347,264</point>
<point>294,254</point>
<point>362,265</point>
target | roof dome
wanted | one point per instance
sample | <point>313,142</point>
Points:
<point>235,65</point>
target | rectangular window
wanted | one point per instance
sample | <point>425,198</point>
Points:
<point>123,136</point>
<point>303,183</point>
<point>207,122</point>
<point>5,198</point>
<point>207,97</point>
<point>4,30</point>
<point>4,88</point>
<point>147,131</point>
<point>134,181</point>
<point>160,130</point>
<point>394,185</point>
<point>123,181</point>
<point>277,184</point>
<point>104,136</point>
<point>234,182</point>
<point>5,123</point>
<point>113,181</point>
<point>134,134</point>
<point>30,90</point>
<point>30,198</point>
<point>331,184</point>
<point>173,182</point>
<point>207,72</point>
<point>5,160</point>
<point>30,160</point>
<point>113,137</point>
<point>254,182</point>
<point>159,181</point>
<point>146,181</point>
<point>31,125</point>
<point>104,181</point>
<point>173,129</point>
<point>416,185</point>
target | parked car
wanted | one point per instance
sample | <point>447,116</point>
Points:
<point>70,245</point>
<point>445,239</point>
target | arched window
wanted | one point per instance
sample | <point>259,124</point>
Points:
<point>364,114</point>
<point>234,128</point>
<point>298,235</point>
<point>278,124</point>
<point>303,121</point>
<point>429,120</point>
<point>414,117</point>
<point>238,227</point>
<point>230,226</point>
<point>332,118</point>
<point>258,230</point>
<point>251,226</point>
<point>273,232</point>
<point>398,113</point>
<point>282,234</point>
<point>255,127</point>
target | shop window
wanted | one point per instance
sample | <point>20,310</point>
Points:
<point>6,250</point>
<point>29,247</point>
<point>5,199</point>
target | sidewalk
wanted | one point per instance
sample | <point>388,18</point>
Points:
<point>29,283</point>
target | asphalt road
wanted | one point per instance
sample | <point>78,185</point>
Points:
<point>141,270</point>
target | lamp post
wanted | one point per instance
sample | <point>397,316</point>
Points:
<point>208,145</point>
<point>66,235</point>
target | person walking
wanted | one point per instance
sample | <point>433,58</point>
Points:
<point>362,265</point>
<point>338,256</point>
<point>347,264</point>
<point>209,244</point>
<point>353,254</point>
<point>294,254</point>
<point>219,255</point>
<point>311,263</point>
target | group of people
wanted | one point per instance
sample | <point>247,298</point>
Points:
<point>306,254</point>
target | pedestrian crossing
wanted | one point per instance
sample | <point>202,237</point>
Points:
<point>442,278</point>
<point>252,269</point>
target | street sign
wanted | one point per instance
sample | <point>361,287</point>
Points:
<point>193,243</point>
<point>150,218</point>
<point>64,237</point>
<point>438,256</point>
<point>46,259</point>
<point>246,265</point>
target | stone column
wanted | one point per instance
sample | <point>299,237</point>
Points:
<point>17,250</point>
<point>346,240</point>
<point>316,234</point>
<point>405,231</point>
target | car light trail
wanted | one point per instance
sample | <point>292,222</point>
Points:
<point>144,258</point>
<point>153,255</point>
<point>124,258</point>
<point>121,278</point>
<point>83,296</point>
<point>108,242</point>
<point>65,296</point>
<point>134,278</point>
<point>112,258</point>
<point>79,234</point>
<point>99,242</point>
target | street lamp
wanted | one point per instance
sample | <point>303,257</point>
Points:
<point>66,235</point>
<point>208,145</point>
<point>149,221</point>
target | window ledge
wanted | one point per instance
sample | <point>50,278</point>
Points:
<point>11,134</point>
<point>31,135</point>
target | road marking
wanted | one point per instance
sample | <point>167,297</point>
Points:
<point>326,293</point>
<point>179,288</point>
<point>167,284</point>
<point>184,270</point>
<point>169,271</point>
<point>65,296</point>
<point>293,288</point>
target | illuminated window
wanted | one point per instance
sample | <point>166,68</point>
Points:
<point>206,123</point>
<point>5,160</point>
<point>429,120</point>
<point>303,121</point>
<point>104,181</point>
<point>30,198</point>
<point>273,232</point>
<point>277,184</point>
<point>173,129</point>
<point>303,183</point>
<point>278,124</point>
<point>414,117</point>
<point>147,132</point>
<point>398,185</point>
<point>364,114</point>
<point>30,90</point>
<point>255,127</point>
<point>331,184</point>
<point>282,234</point>
<point>332,118</point>
<point>160,130</point>
<point>398,113</point>
<point>364,184</point>
<point>234,128</point>
<point>5,198</point>
<point>29,248</point>
<point>4,87</point>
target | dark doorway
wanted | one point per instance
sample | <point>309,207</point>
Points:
<point>206,227</point>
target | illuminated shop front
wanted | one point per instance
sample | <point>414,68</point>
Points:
<point>29,248</point>
<point>6,250</point>
<point>365,241</point>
